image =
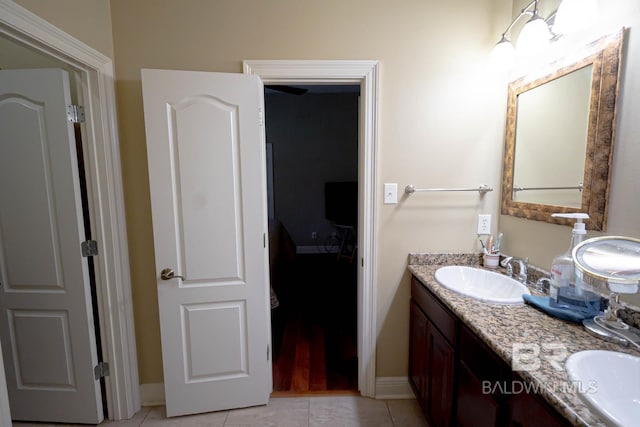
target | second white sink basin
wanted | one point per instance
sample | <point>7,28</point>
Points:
<point>609,383</point>
<point>483,285</point>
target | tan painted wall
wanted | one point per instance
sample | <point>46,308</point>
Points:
<point>87,20</point>
<point>441,119</point>
<point>541,242</point>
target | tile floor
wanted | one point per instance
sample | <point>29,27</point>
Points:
<point>330,411</point>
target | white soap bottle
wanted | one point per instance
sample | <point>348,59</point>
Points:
<point>562,267</point>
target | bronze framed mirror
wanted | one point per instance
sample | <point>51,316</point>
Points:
<point>559,136</point>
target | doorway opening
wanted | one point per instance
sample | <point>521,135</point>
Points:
<point>365,74</point>
<point>312,168</point>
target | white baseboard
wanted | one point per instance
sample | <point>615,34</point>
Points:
<point>152,394</point>
<point>393,388</point>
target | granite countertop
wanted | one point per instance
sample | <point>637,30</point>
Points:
<point>502,326</point>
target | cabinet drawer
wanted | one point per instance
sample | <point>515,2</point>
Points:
<point>438,314</point>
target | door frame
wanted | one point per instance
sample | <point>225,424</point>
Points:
<point>366,74</point>
<point>106,198</point>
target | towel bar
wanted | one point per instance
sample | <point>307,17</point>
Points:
<point>578,187</point>
<point>483,189</point>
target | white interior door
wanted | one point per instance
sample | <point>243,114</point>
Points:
<point>206,155</point>
<point>46,322</point>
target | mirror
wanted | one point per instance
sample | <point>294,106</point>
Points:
<point>559,136</point>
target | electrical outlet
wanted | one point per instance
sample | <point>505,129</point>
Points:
<point>314,235</point>
<point>484,224</point>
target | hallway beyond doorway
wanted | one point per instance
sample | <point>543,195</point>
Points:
<point>315,326</point>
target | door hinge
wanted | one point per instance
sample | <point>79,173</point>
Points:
<point>260,117</point>
<point>268,352</point>
<point>89,248</point>
<point>75,113</point>
<point>264,240</point>
<point>101,370</point>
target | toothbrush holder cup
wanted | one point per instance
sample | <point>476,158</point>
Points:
<point>491,260</point>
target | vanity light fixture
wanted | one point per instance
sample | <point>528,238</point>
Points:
<point>534,36</point>
<point>575,15</point>
<point>503,55</point>
<point>572,15</point>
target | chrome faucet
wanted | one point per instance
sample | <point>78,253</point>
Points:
<point>543,284</point>
<point>522,267</point>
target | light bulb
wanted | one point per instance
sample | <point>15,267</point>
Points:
<point>534,37</point>
<point>575,15</point>
<point>503,57</point>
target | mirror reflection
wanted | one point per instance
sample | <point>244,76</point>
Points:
<point>551,140</point>
<point>559,136</point>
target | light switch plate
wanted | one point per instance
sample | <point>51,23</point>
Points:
<point>390,194</point>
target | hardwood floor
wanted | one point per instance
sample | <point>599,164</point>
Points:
<point>315,326</point>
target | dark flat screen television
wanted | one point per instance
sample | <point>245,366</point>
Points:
<point>341,202</point>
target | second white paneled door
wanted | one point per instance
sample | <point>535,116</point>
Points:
<point>206,155</point>
<point>46,324</point>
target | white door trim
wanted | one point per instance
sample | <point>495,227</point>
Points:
<point>106,198</point>
<point>5,411</point>
<point>366,74</point>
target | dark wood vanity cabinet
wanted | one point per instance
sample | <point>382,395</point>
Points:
<point>530,410</point>
<point>417,350</point>
<point>482,377</point>
<point>440,367</point>
<point>432,358</point>
<point>458,380</point>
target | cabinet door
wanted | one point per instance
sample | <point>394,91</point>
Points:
<point>417,350</point>
<point>440,378</point>
<point>475,407</point>
<point>527,410</point>
<point>482,378</point>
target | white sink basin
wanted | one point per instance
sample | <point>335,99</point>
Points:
<point>609,383</point>
<point>483,285</point>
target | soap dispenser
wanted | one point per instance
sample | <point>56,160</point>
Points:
<point>564,292</point>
